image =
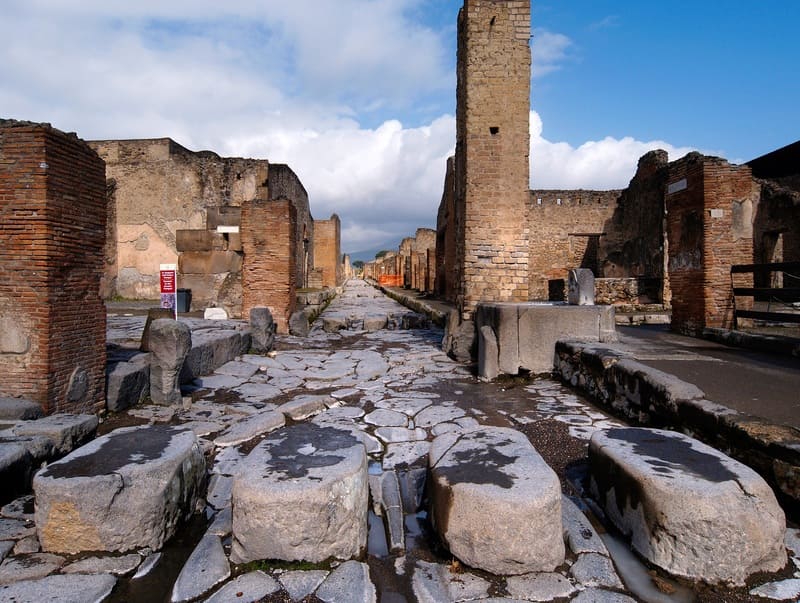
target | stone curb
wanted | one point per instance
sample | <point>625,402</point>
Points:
<point>438,317</point>
<point>651,397</point>
<point>772,344</point>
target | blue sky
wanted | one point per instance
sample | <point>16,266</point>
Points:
<point>358,96</point>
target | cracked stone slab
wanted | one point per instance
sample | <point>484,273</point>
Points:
<point>247,588</point>
<point>544,586</point>
<point>236,368</point>
<point>252,426</point>
<point>782,590</point>
<point>258,392</point>
<point>595,570</point>
<point>434,583</point>
<point>67,432</point>
<point>348,583</point>
<point>216,381</point>
<point>386,418</point>
<point>117,566</point>
<point>300,584</point>
<point>405,454</point>
<point>580,534</point>
<point>72,588</point>
<point>301,494</point>
<point>392,435</point>
<point>302,408</point>
<point>29,567</point>
<point>496,472</point>
<point>219,491</point>
<point>433,415</point>
<point>408,406</point>
<point>143,481</point>
<point>14,529</point>
<point>206,567</point>
<point>687,508</point>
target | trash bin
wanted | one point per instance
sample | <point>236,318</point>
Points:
<point>184,300</point>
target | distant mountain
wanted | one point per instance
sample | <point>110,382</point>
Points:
<point>367,255</point>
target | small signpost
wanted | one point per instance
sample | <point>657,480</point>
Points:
<point>169,287</point>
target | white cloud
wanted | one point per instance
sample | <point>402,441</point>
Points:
<point>605,164</point>
<point>548,50</point>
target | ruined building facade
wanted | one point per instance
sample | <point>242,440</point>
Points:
<point>52,237</point>
<point>240,230</point>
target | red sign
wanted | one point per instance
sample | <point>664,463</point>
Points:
<point>168,281</point>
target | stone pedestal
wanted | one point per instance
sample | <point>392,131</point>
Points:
<point>495,503</point>
<point>302,494</point>
<point>123,491</point>
<point>687,507</point>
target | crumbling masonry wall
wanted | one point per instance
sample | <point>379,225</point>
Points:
<point>710,206</point>
<point>52,237</point>
<point>567,228</point>
<point>492,149</point>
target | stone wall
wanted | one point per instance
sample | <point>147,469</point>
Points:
<point>492,148</point>
<point>445,286</point>
<point>328,251</point>
<point>269,242</point>
<point>162,187</point>
<point>53,228</point>
<point>710,206</point>
<point>567,229</point>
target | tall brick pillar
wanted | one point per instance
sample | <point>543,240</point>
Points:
<point>492,152</point>
<point>710,206</point>
<point>52,237</point>
<point>269,270</point>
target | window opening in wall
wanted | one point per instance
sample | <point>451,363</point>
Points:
<point>494,130</point>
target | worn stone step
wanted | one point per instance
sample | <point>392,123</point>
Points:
<point>687,507</point>
<point>495,503</point>
<point>126,490</point>
<point>301,494</point>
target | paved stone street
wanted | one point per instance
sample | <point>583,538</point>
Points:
<point>300,410</point>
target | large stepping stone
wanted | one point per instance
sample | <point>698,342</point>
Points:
<point>687,507</point>
<point>126,490</point>
<point>495,503</point>
<point>66,431</point>
<point>301,494</point>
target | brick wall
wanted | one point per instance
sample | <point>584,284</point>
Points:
<point>269,272</point>
<point>566,230</point>
<point>52,238</point>
<point>709,227</point>
<point>328,250</point>
<point>492,148</point>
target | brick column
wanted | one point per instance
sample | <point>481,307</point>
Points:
<point>52,238</point>
<point>269,267</point>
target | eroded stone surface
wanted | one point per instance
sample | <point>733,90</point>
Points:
<point>348,583</point>
<point>143,481</point>
<point>247,588</point>
<point>301,494</point>
<point>687,507</point>
<point>495,472</point>
<point>206,567</point>
<point>299,584</point>
<point>74,588</point>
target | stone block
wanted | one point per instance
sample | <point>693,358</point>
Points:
<point>226,215</point>
<point>301,494</point>
<point>488,368</point>
<point>170,342</point>
<point>194,240</point>
<point>494,473</point>
<point>212,348</point>
<point>19,409</point>
<point>66,432</point>
<point>127,383</point>
<point>126,490</point>
<point>580,287</point>
<point>16,468</point>
<point>153,314</point>
<point>503,318</point>
<point>688,508</point>
<point>263,329</point>
<point>209,262</point>
<point>298,324</point>
<point>542,325</point>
